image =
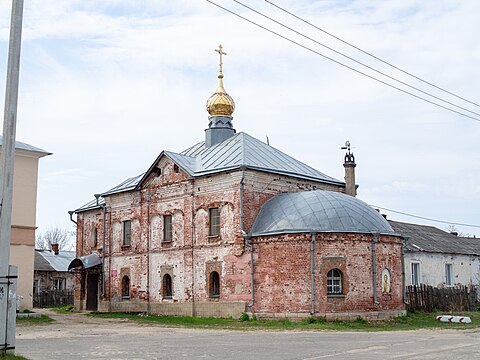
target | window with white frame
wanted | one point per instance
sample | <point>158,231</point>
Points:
<point>334,282</point>
<point>415,273</point>
<point>448,274</point>
<point>59,284</point>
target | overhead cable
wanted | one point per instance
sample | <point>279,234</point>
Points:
<point>354,60</point>
<point>342,64</point>
<point>425,218</point>
<point>371,55</point>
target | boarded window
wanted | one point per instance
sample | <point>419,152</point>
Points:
<point>214,221</point>
<point>214,284</point>
<point>167,228</point>
<point>167,288</point>
<point>127,232</point>
<point>93,236</point>
<point>334,282</point>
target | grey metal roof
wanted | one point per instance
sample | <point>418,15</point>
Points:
<point>91,205</point>
<point>24,146</point>
<point>243,150</point>
<point>85,262</point>
<point>187,163</point>
<point>126,185</point>
<point>238,151</point>
<point>318,211</point>
<point>46,260</point>
<point>433,240</point>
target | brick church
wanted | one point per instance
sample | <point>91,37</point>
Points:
<point>233,225</point>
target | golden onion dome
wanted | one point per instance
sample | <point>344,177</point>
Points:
<point>220,103</point>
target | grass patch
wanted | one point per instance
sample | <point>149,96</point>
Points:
<point>12,357</point>
<point>42,320</point>
<point>411,321</point>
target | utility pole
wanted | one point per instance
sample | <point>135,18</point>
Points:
<point>8,273</point>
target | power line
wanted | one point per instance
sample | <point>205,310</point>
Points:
<point>352,59</point>
<point>426,218</point>
<point>371,55</point>
<point>340,63</point>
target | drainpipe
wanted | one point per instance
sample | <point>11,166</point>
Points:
<point>252,267</point>
<point>110,266</point>
<point>246,238</point>
<point>404,245</point>
<point>194,310</point>
<point>242,215</point>
<point>374,264</point>
<point>312,270</point>
<point>148,252</point>
<point>104,207</point>
<point>71,217</point>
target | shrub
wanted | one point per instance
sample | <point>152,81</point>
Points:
<point>360,320</point>
<point>244,317</point>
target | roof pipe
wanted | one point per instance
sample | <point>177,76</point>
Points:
<point>71,216</point>
<point>312,270</point>
<point>104,207</point>
<point>374,265</point>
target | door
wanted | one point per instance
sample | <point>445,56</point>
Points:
<point>92,292</point>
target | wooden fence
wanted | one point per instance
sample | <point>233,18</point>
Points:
<point>53,298</point>
<point>427,298</point>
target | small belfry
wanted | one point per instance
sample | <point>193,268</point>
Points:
<point>220,107</point>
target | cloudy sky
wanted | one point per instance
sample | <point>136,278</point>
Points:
<point>107,85</point>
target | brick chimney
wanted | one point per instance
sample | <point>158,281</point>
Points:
<point>349,165</point>
<point>54,248</point>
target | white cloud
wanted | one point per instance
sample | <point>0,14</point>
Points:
<point>107,85</point>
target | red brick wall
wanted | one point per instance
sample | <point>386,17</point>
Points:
<point>283,275</point>
<point>282,263</point>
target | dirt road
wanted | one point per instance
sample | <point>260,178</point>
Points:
<point>76,336</point>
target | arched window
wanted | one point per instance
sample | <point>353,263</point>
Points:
<point>334,282</point>
<point>125,287</point>
<point>214,284</point>
<point>167,289</point>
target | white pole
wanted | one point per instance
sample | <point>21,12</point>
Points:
<point>7,154</point>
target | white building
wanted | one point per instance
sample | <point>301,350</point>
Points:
<point>438,258</point>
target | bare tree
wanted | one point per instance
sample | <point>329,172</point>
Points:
<point>54,235</point>
<point>452,229</point>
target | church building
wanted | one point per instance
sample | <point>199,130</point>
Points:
<point>233,225</point>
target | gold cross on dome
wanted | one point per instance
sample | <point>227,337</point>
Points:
<point>220,52</point>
